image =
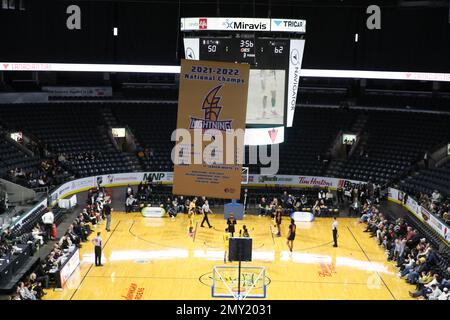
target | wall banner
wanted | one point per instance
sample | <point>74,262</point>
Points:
<point>212,106</point>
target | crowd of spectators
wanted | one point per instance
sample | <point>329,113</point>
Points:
<point>81,156</point>
<point>45,175</point>
<point>146,194</point>
<point>415,257</point>
<point>356,196</point>
<point>437,204</point>
<point>9,242</point>
<point>74,237</point>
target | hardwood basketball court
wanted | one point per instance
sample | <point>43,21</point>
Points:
<point>155,258</point>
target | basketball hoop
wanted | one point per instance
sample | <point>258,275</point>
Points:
<point>225,282</point>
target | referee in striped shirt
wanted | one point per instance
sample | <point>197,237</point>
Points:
<point>334,227</point>
<point>97,241</point>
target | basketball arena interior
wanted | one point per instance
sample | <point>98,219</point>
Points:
<point>343,191</point>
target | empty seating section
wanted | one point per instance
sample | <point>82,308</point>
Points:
<point>428,180</point>
<point>312,134</point>
<point>64,127</point>
<point>11,157</point>
<point>395,141</point>
<point>101,163</point>
<point>69,128</point>
<point>321,96</point>
<point>381,98</point>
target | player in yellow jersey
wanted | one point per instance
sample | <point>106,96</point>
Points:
<point>191,224</point>
<point>226,238</point>
<point>191,216</point>
<point>192,208</point>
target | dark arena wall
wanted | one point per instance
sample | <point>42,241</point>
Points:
<point>410,39</point>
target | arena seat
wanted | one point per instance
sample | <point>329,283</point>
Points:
<point>394,143</point>
<point>69,128</point>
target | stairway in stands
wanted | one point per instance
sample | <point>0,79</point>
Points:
<point>335,166</point>
<point>112,122</point>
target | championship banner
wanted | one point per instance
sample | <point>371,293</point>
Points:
<point>212,108</point>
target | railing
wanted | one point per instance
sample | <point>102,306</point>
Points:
<point>134,178</point>
<point>423,214</point>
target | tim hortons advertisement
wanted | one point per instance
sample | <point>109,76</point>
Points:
<point>210,131</point>
<point>300,181</point>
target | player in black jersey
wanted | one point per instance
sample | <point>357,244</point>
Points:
<point>291,235</point>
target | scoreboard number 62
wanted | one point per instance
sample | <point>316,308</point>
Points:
<point>278,49</point>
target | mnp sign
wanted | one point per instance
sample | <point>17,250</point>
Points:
<point>212,106</point>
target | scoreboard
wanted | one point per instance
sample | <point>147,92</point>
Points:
<point>274,50</point>
<point>262,53</point>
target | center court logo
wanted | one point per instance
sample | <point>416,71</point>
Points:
<point>212,111</point>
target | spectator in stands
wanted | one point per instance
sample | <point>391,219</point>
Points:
<point>172,208</point>
<point>88,218</point>
<point>38,234</point>
<point>48,219</point>
<point>19,173</point>
<point>65,242</point>
<point>355,207</point>
<point>316,208</point>
<point>407,266</point>
<point>446,217</point>
<point>41,276</point>
<point>7,236</point>
<point>436,197</point>
<point>129,203</point>
<point>340,195</point>
<point>90,198</point>
<point>444,295</point>
<point>78,229</point>
<point>414,240</point>
<point>321,195</point>
<point>42,181</point>
<point>181,204</point>
<point>329,197</point>
<point>15,295</point>
<point>263,207</point>
<point>25,293</point>
<point>304,200</point>
<point>36,286</point>
<point>284,199</point>
<point>73,236</point>
<point>129,191</point>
